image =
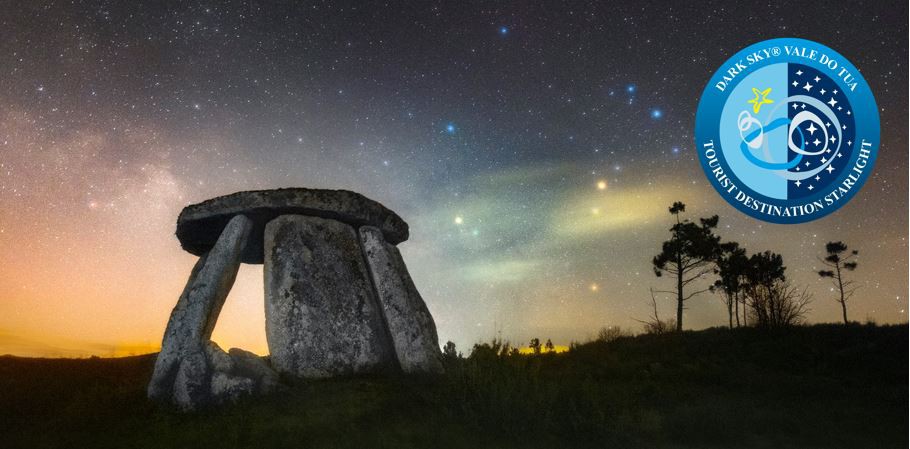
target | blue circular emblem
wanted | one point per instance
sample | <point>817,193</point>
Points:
<point>787,130</point>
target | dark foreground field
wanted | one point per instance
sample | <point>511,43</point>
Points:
<point>820,386</point>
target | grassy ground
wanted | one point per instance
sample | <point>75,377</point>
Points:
<point>814,387</point>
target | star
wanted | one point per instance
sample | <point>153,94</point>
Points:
<point>798,183</point>
<point>602,185</point>
<point>795,83</point>
<point>503,30</point>
<point>799,72</point>
<point>816,142</point>
<point>459,220</point>
<point>758,102</point>
<point>807,87</point>
<point>811,128</point>
<point>656,113</point>
<point>830,168</point>
<point>822,91</point>
<point>450,128</point>
<point>832,139</point>
<point>832,102</point>
<point>817,79</point>
<point>795,105</point>
<point>818,178</point>
<point>810,187</point>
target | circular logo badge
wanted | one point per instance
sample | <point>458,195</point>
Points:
<point>787,130</point>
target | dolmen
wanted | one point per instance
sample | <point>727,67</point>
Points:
<point>338,296</point>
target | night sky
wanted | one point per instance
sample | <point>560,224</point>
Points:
<point>533,149</point>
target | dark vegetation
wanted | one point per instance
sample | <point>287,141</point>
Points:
<point>823,386</point>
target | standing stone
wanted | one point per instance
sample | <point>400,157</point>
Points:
<point>322,318</point>
<point>410,323</point>
<point>181,370</point>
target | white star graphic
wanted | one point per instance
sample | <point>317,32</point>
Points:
<point>832,139</point>
<point>795,105</point>
<point>807,87</point>
<point>795,83</point>
<point>817,79</point>
<point>832,102</point>
<point>850,142</point>
<point>818,178</point>
<point>830,168</point>
<point>798,183</point>
<point>822,91</point>
<point>799,72</point>
<point>811,129</point>
<point>816,142</point>
<point>810,187</point>
<point>835,91</point>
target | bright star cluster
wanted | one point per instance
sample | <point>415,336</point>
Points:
<point>533,149</point>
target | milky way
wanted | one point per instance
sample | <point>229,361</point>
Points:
<point>534,150</point>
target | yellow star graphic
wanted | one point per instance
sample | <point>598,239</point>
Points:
<point>756,102</point>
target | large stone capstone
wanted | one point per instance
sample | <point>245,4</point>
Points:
<point>199,225</point>
<point>339,299</point>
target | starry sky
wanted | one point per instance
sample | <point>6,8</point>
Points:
<point>532,147</point>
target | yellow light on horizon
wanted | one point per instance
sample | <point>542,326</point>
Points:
<point>557,349</point>
<point>458,220</point>
<point>602,184</point>
<point>594,287</point>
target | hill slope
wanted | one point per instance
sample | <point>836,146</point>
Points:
<point>821,386</point>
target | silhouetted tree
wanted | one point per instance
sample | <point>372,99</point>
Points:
<point>535,345</point>
<point>549,346</point>
<point>781,305</point>
<point>687,255</point>
<point>655,325</point>
<point>836,259</point>
<point>764,272</point>
<point>449,350</point>
<point>730,266</point>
